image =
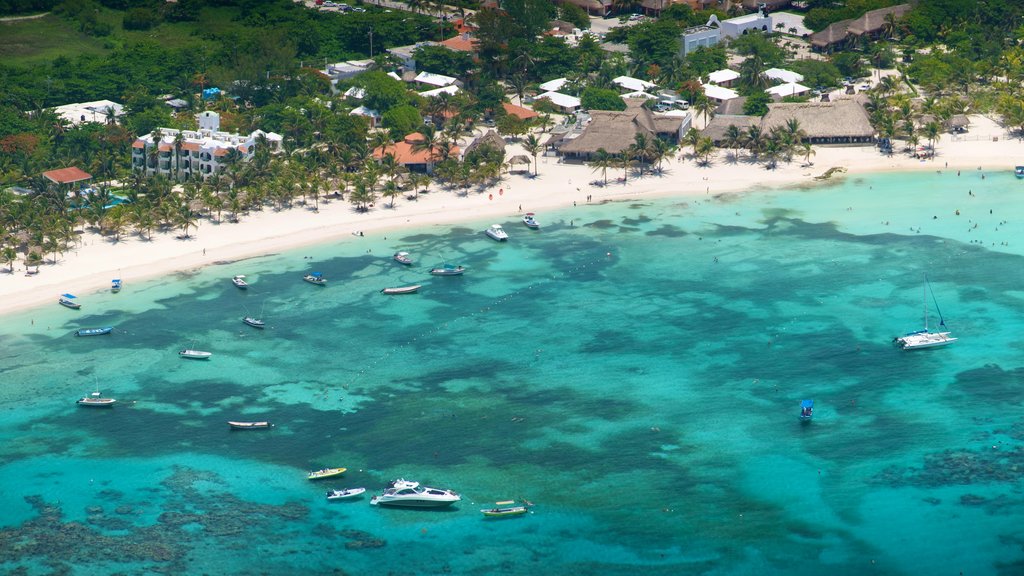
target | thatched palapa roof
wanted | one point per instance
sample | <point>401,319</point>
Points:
<point>834,34</point>
<point>821,120</point>
<point>719,124</point>
<point>490,138</point>
<point>873,20</point>
<point>616,131</point>
<point>520,159</point>
<point>959,121</point>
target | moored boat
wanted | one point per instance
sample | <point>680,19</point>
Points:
<point>531,221</point>
<point>408,494</point>
<point>326,473</point>
<point>68,301</point>
<point>345,493</point>
<point>195,354</point>
<point>447,270</point>
<point>401,290</point>
<point>806,409</point>
<point>315,278</point>
<point>1019,171</point>
<point>96,400</point>
<point>115,285</point>
<point>496,232</point>
<point>94,331</point>
<point>504,509</point>
<point>240,282</point>
<point>925,338</point>
<point>236,425</point>
<point>254,322</point>
<point>403,258</point>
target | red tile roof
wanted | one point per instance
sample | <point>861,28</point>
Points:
<point>67,175</point>
<point>404,153</point>
<point>518,111</point>
<point>460,43</point>
<point>191,146</point>
<point>138,144</point>
<point>164,147</point>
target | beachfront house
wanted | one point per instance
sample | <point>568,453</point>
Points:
<point>724,77</point>
<point>562,102</point>
<point>616,131</point>
<point>409,154</point>
<point>184,154</point>
<point>719,94</point>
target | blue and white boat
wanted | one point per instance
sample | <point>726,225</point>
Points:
<point>115,285</point>
<point>68,301</point>
<point>94,331</point>
<point>1019,171</point>
<point>315,278</point>
<point>806,409</point>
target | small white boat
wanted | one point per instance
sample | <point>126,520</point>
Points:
<point>315,278</point>
<point>1019,171</point>
<point>115,285</point>
<point>531,221</point>
<point>68,301</point>
<point>411,495</point>
<point>240,282</point>
<point>235,425</point>
<point>403,258</point>
<point>402,290</point>
<point>447,270</point>
<point>254,322</point>
<point>195,354</point>
<point>345,493</point>
<point>497,232</point>
<point>96,400</point>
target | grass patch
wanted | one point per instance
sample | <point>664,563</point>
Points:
<point>46,38</point>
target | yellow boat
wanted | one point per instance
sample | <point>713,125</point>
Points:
<point>326,473</point>
<point>503,509</point>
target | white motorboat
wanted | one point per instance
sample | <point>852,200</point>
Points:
<point>240,282</point>
<point>195,354</point>
<point>68,301</point>
<point>401,289</point>
<point>345,493</point>
<point>447,270</point>
<point>254,322</point>
<point>411,495</point>
<point>925,338</point>
<point>497,232</point>
<point>403,258</point>
<point>96,400</point>
<point>530,220</point>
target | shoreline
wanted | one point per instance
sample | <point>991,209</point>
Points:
<point>89,267</point>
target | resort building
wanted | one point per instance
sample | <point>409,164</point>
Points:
<point>736,27</point>
<point>615,131</point>
<point>719,94</point>
<point>200,153</point>
<point>562,102</point>
<point>518,111</point>
<point>700,36</point>
<point>407,153</point>
<point>839,122</point>
<point>724,77</point>
<point>871,24</point>
<point>100,112</point>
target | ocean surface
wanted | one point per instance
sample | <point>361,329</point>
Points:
<point>633,369</point>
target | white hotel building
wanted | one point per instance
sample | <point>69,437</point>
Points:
<point>202,152</point>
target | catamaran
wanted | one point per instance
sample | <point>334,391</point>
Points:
<point>925,338</point>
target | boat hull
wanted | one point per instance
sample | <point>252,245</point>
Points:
<point>447,271</point>
<point>922,340</point>
<point>249,425</point>
<point>327,473</point>
<point>94,403</point>
<point>69,304</point>
<point>195,354</point>
<point>254,323</point>
<point>345,494</point>
<point>411,503</point>
<point>504,512</point>
<point>402,290</point>
<point>94,331</point>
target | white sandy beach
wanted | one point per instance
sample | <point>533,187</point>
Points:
<point>91,266</point>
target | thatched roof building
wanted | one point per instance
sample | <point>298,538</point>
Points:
<point>838,122</point>
<point>873,21</point>
<point>490,138</point>
<point>958,123</point>
<point>718,125</point>
<point>616,131</point>
<point>831,36</point>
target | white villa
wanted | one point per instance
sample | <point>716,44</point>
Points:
<point>100,112</point>
<point>203,152</point>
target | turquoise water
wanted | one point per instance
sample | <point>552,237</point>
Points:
<point>637,376</point>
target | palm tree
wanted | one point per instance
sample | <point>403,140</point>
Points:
<point>185,219</point>
<point>692,138</point>
<point>179,141</point>
<point>752,73</point>
<point>640,150</point>
<point>705,107</point>
<point>428,142</point>
<point>9,255</point>
<point>533,147</point>
<point>931,132</point>
<point>624,162</point>
<point>660,149</point>
<point>808,152</point>
<point>602,160</point>
<point>705,149</point>
<point>755,141</point>
<point>391,191</point>
<point>734,140</point>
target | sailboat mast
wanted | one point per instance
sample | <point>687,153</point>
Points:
<point>924,302</point>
